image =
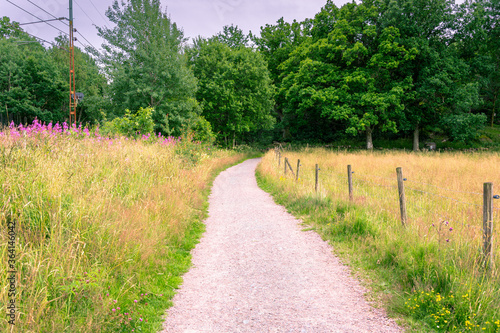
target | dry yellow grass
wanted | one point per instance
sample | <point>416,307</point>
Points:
<point>99,222</point>
<point>433,267</point>
<point>439,188</point>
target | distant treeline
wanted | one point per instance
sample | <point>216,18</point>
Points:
<point>391,68</point>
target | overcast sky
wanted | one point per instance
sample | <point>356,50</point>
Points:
<point>195,17</point>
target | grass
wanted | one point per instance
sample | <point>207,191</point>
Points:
<point>431,272</point>
<point>104,227</point>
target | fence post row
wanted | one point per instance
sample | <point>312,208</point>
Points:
<point>402,200</point>
<point>317,176</point>
<point>487,203</point>
<point>349,181</point>
<point>487,223</point>
<point>298,168</point>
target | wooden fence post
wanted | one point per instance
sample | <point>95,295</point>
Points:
<point>349,181</point>
<point>279,158</point>
<point>298,168</point>
<point>289,167</point>
<point>488,224</point>
<point>317,176</point>
<point>286,161</point>
<point>402,200</point>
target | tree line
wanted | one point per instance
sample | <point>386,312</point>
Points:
<point>373,68</point>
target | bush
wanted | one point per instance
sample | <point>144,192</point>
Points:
<point>130,125</point>
<point>464,127</point>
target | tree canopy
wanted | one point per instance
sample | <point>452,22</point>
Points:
<point>235,90</point>
<point>145,64</point>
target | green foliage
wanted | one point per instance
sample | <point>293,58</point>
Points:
<point>130,125</point>
<point>144,61</point>
<point>351,75</point>
<point>202,130</point>
<point>235,90</point>
<point>89,80</point>
<point>31,85</point>
<point>464,127</point>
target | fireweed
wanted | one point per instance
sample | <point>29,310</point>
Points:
<point>104,224</point>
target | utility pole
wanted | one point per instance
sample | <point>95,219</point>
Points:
<point>72,89</point>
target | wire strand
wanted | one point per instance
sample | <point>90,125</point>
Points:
<point>97,10</point>
<point>36,16</point>
<point>34,4</point>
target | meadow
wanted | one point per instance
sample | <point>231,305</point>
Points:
<point>430,273</point>
<point>103,226</point>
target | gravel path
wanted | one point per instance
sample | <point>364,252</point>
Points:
<point>254,270</point>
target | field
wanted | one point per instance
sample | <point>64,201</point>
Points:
<point>101,228</point>
<point>431,272</point>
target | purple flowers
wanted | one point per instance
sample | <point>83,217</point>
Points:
<point>41,130</point>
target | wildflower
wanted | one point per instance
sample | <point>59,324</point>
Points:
<point>140,319</point>
<point>135,301</point>
<point>447,240</point>
<point>113,310</point>
<point>451,229</point>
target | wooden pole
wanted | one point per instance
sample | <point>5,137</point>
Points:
<point>488,223</point>
<point>279,158</point>
<point>317,176</point>
<point>402,200</point>
<point>298,168</point>
<point>286,161</point>
<point>349,181</point>
<point>289,166</point>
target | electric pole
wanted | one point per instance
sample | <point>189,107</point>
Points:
<point>72,89</point>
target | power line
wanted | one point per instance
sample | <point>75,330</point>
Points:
<point>97,10</point>
<point>86,40</point>
<point>35,16</point>
<point>44,10</point>
<point>85,13</point>
<point>56,19</point>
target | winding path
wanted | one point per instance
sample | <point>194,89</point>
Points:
<point>254,270</point>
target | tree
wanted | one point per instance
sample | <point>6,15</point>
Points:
<point>144,61</point>
<point>31,85</point>
<point>351,76</point>
<point>441,81</point>
<point>89,80</point>
<point>276,43</point>
<point>232,36</point>
<point>235,90</point>
<point>477,40</point>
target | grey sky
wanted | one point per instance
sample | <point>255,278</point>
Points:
<point>195,17</point>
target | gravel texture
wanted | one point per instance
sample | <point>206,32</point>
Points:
<point>255,270</point>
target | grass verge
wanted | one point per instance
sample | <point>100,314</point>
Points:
<point>428,274</point>
<point>104,228</point>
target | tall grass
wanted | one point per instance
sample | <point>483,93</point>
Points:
<point>104,226</point>
<point>430,271</point>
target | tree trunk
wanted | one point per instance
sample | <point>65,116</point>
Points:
<point>369,139</point>
<point>493,111</point>
<point>416,133</point>
<point>234,139</point>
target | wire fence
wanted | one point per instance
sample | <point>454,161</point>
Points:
<point>434,205</point>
